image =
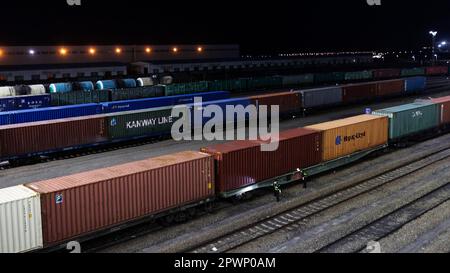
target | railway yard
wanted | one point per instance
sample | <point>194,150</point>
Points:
<point>396,198</point>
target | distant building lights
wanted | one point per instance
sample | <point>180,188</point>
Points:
<point>63,51</point>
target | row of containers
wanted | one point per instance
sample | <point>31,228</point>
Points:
<point>127,89</point>
<point>291,102</point>
<point>51,212</point>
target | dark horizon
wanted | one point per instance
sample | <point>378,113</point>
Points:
<point>258,27</point>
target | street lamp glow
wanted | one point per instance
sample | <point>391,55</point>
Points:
<point>63,51</point>
<point>92,51</point>
<point>433,33</point>
<point>31,52</point>
<point>118,50</point>
<point>148,50</point>
<point>175,49</point>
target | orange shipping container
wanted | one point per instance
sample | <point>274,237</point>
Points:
<point>347,136</point>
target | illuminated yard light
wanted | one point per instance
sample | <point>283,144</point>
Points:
<point>175,49</point>
<point>148,50</point>
<point>31,52</point>
<point>199,49</point>
<point>63,51</point>
<point>92,51</point>
<point>118,50</point>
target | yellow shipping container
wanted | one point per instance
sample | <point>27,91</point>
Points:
<point>347,136</point>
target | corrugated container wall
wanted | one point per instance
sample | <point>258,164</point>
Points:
<point>358,92</point>
<point>408,72</point>
<point>436,70</point>
<point>38,137</point>
<point>358,75</point>
<point>320,97</point>
<point>390,88</point>
<point>415,84</point>
<point>90,202</point>
<point>242,163</point>
<point>32,102</point>
<point>7,104</point>
<point>444,109</point>
<point>409,119</point>
<point>20,220</point>
<point>346,136</point>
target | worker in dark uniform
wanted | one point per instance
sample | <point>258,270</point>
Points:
<point>277,191</point>
<point>304,176</point>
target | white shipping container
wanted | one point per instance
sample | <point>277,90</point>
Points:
<point>20,220</point>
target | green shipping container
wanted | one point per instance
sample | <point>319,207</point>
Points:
<point>409,119</point>
<point>142,123</point>
<point>265,83</point>
<point>80,97</point>
<point>333,77</point>
<point>297,80</point>
<point>229,85</point>
<point>358,75</point>
<point>138,93</point>
<point>187,88</point>
<point>407,72</point>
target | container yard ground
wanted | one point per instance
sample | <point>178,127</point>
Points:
<point>207,227</point>
<point>48,170</point>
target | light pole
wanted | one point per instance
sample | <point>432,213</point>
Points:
<point>433,49</point>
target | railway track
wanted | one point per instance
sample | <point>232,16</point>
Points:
<point>296,217</point>
<point>357,240</point>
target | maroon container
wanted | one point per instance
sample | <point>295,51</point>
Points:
<point>436,70</point>
<point>357,92</point>
<point>89,202</point>
<point>242,163</point>
<point>289,102</point>
<point>444,109</point>
<point>386,73</point>
<point>38,137</point>
<point>390,88</point>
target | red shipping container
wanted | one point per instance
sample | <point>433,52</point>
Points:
<point>436,70</point>
<point>38,137</point>
<point>289,102</point>
<point>386,73</point>
<point>444,109</point>
<point>242,163</point>
<point>89,202</point>
<point>389,88</point>
<point>356,92</point>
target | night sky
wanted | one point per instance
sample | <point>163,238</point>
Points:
<point>258,26</point>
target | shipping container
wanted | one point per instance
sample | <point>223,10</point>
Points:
<point>410,72</point>
<point>131,105</point>
<point>142,123</point>
<point>37,89</point>
<point>32,102</point>
<point>386,73</point>
<point>229,85</point>
<point>410,119</point>
<point>7,104</point>
<point>347,136</point>
<point>265,83</point>
<point>87,86</point>
<point>145,82</point>
<point>333,77</point>
<point>390,88</point>
<point>20,220</point>
<point>297,80</point>
<point>436,70</point>
<point>359,92</point>
<point>358,75</point>
<point>444,109</point>
<point>415,84</point>
<point>81,97</point>
<point>61,87</point>
<point>30,139</point>
<point>138,93</point>
<point>186,88</point>
<point>50,113</point>
<point>242,163</point>
<point>95,201</point>
<point>319,97</point>
<point>109,84</point>
<point>289,102</point>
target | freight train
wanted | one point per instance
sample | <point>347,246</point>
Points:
<point>126,89</point>
<point>27,134</point>
<point>50,213</point>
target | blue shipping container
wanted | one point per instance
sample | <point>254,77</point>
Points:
<point>7,104</point>
<point>415,84</point>
<point>85,86</point>
<point>60,87</point>
<point>51,113</point>
<point>131,105</point>
<point>127,83</point>
<point>32,102</point>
